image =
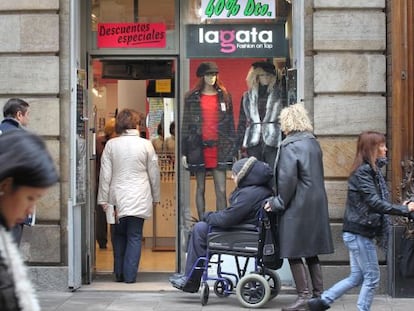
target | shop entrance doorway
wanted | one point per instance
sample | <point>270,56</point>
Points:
<point>147,86</point>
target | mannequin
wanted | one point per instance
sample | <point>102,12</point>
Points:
<point>258,131</point>
<point>208,142</point>
<point>158,142</point>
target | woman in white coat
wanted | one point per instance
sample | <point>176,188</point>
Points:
<point>129,180</point>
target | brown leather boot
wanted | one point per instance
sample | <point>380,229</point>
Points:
<point>315,272</point>
<point>299,275</point>
<point>299,305</point>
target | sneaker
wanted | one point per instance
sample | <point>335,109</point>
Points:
<point>178,282</point>
<point>185,284</point>
<point>175,276</point>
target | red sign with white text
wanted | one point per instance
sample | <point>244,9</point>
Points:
<point>131,35</point>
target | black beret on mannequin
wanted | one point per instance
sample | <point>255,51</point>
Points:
<point>266,66</point>
<point>205,68</point>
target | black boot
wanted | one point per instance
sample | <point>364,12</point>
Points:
<point>315,272</point>
<point>299,275</point>
<point>317,304</point>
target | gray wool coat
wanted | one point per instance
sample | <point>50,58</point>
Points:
<point>304,229</point>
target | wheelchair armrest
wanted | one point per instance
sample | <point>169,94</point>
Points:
<point>242,227</point>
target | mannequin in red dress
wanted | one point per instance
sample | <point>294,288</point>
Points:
<point>208,143</point>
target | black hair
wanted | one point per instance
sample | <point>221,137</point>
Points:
<point>13,106</point>
<point>25,158</point>
<point>172,128</point>
<point>160,130</point>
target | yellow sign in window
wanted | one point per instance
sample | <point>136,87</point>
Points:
<point>163,86</point>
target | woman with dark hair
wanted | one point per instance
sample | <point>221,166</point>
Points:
<point>130,180</point>
<point>208,133</point>
<point>365,220</point>
<point>26,174</point>
<point>170,140</point>
<point>158,142</point>
<point>101,227</point>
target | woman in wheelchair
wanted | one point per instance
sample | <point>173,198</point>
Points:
<point>253,180</point>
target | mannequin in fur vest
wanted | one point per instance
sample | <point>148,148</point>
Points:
<point>27,171</point>
<point>258,131</point>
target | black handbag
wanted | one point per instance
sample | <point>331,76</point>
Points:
<point>406,256</point>
<point>269,251</point>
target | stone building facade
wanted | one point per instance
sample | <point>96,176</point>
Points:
<point>346,51</point>
<point>345,89</point>
<point>34,66</point>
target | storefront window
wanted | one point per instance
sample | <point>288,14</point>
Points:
<point>244,47</point>
<point>161,13</point>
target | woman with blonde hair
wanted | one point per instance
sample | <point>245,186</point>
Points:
<point>301,201</point>
<point>258,132</point>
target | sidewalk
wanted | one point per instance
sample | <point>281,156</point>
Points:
<point>179,301</point>
<point>161,296</point>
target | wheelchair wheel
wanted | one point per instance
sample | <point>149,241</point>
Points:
<point>205,290</point>
<point>274,282</point>
<point>253,291</point>
<point>222,288</point>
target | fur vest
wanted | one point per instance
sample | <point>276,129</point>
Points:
<point>255,129</point>
<point>16,290</point>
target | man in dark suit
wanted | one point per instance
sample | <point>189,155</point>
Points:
<point>16,117</point>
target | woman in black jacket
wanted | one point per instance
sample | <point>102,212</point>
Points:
<point>27,171</point>
<point>304,230</point>
<point>365,221</point>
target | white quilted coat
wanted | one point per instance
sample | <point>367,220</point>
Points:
<point>129,176</point>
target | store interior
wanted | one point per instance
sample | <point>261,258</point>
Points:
<point>146,86</point>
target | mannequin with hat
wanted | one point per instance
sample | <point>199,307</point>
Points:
<point>258,131</point>
<point>208,134</point>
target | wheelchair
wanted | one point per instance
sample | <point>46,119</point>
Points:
<point>253,288</point>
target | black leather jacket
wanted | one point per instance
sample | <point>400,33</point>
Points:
<point>364,206</point>
<point>192,145</point>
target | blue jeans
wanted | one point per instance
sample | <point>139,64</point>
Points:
<point>197,245</point>
<point>364,271</point>
<point>127,237</point>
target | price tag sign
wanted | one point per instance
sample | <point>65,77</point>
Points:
<point>163,86</point>
<point>238,9</point>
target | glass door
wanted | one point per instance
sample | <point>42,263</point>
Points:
<point>148,86</point>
